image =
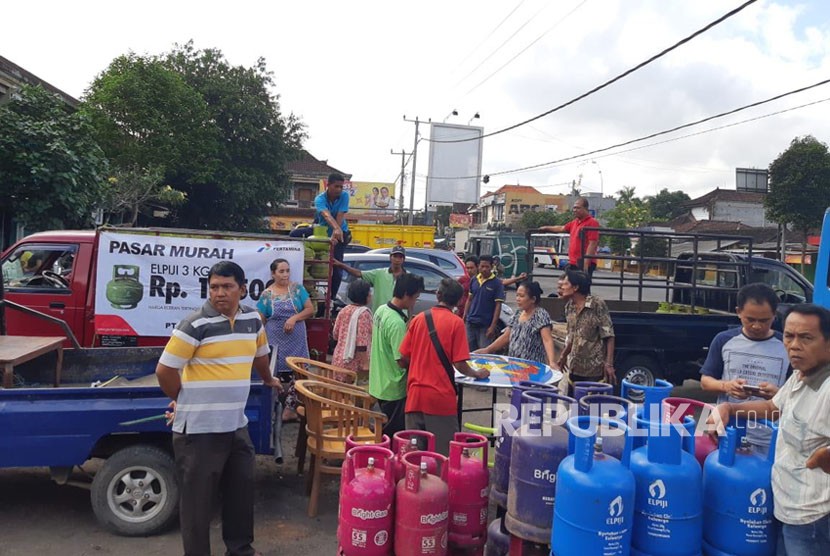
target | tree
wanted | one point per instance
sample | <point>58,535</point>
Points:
<point>667,204</point>
<point>800,186</point>
<point>630,212</point>
<point>145,114</point>
<point>533,219</point>
<point>51,168</point>
<point>215,130</point>
<point>256,140</point>
<point>128,191</point>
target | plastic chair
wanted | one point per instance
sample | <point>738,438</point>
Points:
<point>333,412</point>
<point>309,369</point>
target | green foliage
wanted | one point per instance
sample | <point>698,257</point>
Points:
<point>214,129</point>
<point>629,213</point>
<point>800,186</point>
<point>128,191</point>
<point>531,220</point>
<point>667,204</point>
<point>256,141</point>
<point>51,168</point>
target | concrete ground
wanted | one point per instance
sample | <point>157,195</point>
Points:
<point>40,517</point>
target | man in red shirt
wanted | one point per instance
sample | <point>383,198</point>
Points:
<point>430,387</point>
<point>471,266</point>
<point>583,219</point>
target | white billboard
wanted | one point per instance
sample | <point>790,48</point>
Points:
<point>454,167</point>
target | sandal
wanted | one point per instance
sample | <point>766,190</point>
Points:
<point>290,416</point>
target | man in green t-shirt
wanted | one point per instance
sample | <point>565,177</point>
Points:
<point>382,280</point>
<point>387,374</point>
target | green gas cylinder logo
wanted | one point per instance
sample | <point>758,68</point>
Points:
<point>124,291</point>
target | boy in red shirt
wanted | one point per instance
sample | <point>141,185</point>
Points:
<point>430,386</point>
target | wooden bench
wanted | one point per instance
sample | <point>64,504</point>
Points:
<point>15,350</point>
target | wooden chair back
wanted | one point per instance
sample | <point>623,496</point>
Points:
<point>309,369</point>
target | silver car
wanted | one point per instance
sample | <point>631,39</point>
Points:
<point>447,261</point>
<point>431,274</point>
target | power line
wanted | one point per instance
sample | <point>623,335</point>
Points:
<point>653,135</point>
<point>522,51</point>
<point>545,6</point>
<point>667,131</point>
<point>487,35</point>
<point>609,82</point>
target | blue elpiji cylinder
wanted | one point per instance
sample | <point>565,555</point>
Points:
<point>737,498</point>
<point>594,494</point>
<point>539,447</point>
<point>668,509</point>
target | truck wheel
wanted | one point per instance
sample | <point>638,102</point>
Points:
<point>135,493</point>
<point>640,370</point>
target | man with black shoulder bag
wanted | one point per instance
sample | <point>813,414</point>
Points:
<point>435,346</point>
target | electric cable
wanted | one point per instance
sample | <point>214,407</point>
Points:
<point>653,135</point>
<point>610,81</point>
<point>522,51</point>
<point>487,35</point>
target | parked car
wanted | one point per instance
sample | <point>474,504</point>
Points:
<point>431,273</point>
<point>447,261</point>
<point>356,248</point>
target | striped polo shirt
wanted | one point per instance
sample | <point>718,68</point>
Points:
<point>216,354</point>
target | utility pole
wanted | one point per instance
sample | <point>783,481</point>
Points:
<point>414,165</point>
<point>403,154</point>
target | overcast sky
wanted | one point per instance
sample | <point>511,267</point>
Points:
<point>352,70</point>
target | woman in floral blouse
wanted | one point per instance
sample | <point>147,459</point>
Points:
<point>528,334</point>
<point>589,347</point>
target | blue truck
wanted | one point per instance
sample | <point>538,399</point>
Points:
<point>699,286</point>
<point>99,412</point>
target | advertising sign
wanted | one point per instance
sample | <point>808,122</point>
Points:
<point>369,199</point>
<point>454,164</point>
<point>146,284</point>
<point>461,220</point>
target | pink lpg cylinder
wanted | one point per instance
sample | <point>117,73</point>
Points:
<point>353,442</point>
<point>367,503</point>
<point>469,483</point>
<point>410,441</point>
<point>422,506</point>
<point>677,409</point>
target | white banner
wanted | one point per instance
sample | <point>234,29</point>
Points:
<point>146,284</point>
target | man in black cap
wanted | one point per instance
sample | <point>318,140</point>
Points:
<point>382,280</point>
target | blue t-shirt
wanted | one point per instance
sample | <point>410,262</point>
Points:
<point>341,204</point>
<point>733,355</point>
<point>483,297</point>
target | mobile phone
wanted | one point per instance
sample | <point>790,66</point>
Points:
<point>749,388</point>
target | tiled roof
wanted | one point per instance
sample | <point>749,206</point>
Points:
<point>726,195</point>
<point>307,165</point>
<point>17,74</point>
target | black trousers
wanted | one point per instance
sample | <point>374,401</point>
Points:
<point>211,465</point>
<point>337,273</point>
<point>395,411</point>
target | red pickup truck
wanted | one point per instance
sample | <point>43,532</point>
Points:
<point>129,287</point>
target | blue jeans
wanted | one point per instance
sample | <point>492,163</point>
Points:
<point>811,539</point>
<point>477,336</point>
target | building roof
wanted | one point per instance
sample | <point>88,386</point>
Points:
<point>514,188</point>
<point>308,166</point>
<point>11,75</point>
<point>719,194</point>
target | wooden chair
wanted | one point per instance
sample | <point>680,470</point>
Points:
<point>334,412</point>
<point>309,369</point>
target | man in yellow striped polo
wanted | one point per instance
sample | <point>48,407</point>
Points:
<point>215,348</point>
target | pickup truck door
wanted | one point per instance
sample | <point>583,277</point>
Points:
<point>40,276</point>
<point>791,287</point>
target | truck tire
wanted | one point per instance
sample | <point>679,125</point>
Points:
<point>638,369</point>
<point>135,493</point>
